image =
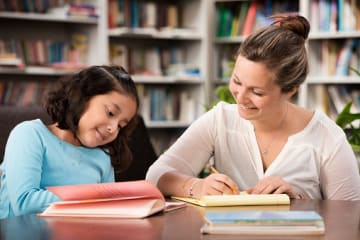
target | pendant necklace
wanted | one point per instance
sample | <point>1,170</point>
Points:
<point>265,150</point>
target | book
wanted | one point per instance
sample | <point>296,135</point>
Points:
<point>131,199</point>
<point>250,18</point>
<point>237,200</point>
<point>264,223</point>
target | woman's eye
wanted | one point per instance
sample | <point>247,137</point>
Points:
<point>236,81</point>
<point>258,94</point>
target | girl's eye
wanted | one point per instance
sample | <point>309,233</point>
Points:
<point>109,112</point>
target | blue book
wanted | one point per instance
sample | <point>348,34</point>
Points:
<point>263,222</point>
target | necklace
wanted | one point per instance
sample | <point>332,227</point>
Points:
<point>265,150</point>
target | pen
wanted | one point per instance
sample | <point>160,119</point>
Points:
<point>213,170</point>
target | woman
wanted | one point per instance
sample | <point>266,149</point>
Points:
<point>264,143</point>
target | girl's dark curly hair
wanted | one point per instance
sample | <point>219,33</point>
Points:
<point>67,102</point>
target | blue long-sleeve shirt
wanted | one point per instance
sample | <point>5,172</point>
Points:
<point>35,158</point>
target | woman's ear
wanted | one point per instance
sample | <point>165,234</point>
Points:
<point>292,92</point>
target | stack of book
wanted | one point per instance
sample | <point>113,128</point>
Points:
<point>263,223</point>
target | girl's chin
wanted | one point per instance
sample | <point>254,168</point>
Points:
<point>91,144</point>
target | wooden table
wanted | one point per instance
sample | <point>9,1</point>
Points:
<point>342,219</point>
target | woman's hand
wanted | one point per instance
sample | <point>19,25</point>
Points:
<point>214,184</point>
<point>273,185</point>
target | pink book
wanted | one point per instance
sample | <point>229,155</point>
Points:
<point>249,22</point>
<point>132,199</point>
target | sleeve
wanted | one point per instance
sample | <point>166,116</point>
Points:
<point>190,153</point>
<point>23,168</point>
<point>339,176</point>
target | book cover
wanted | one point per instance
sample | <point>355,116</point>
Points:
<point>264,223</point>
<point>237,200</point>
<point>132,199</point>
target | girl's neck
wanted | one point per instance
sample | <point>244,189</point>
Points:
<point>65,135</point>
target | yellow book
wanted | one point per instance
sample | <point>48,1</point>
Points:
<point>241,199</point>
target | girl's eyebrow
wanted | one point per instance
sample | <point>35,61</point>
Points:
<point>116,106</point>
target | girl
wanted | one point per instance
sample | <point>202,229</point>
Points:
<point>93,112</point>
<point>264,143</point>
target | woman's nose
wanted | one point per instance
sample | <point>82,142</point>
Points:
<point>240,95</point>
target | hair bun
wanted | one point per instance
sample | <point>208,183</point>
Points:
<point>297,24</point>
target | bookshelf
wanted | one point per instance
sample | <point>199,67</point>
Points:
<point>178,52</point>
<point>40,43</point>
<point>333,47</point>
<point>163,44</point>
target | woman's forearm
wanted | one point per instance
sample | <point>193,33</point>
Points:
<point>176,184</point>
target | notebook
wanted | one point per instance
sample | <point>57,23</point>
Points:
<point>237,200</point>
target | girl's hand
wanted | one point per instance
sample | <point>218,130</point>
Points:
<point>214,184</point>
<point>273,185</point>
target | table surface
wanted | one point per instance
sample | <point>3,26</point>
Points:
<point>342,219</point>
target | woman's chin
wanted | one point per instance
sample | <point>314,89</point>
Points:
<point>247,113</point>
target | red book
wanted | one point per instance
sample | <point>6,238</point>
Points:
<point>249,22</point>
<point>132,199</point>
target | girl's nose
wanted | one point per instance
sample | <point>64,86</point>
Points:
<point>111,128</point>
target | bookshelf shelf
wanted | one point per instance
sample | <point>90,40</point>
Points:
<point>47,17</point>
<point>34,71</point>
<point>333,35</point>
<point>167,79</point>
<point>168,34</point>
<point>225,40</point>
<point>166,124</point>
<point>334,80</point>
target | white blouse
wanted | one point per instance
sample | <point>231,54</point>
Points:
<point>317,161</point>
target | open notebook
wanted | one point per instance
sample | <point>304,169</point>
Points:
<point>132,199</point>
<point>237,200</point>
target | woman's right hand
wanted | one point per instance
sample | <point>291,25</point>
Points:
<point>214,184</point>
